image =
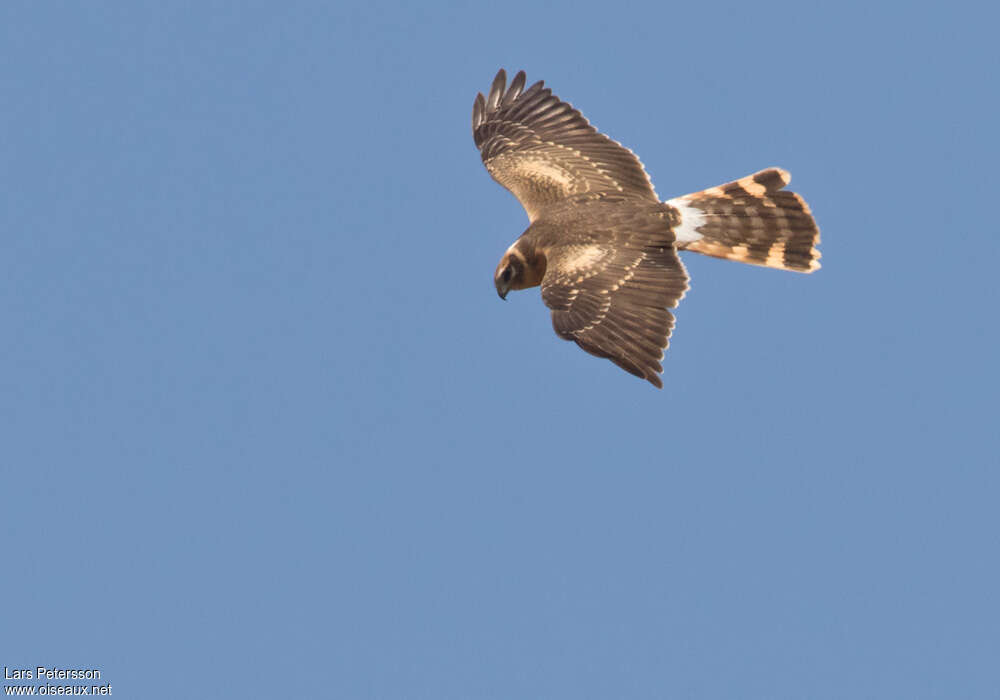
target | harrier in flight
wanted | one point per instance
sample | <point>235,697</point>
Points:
<point>601,244</point>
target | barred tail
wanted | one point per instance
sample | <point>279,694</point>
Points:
<point>751,220</point>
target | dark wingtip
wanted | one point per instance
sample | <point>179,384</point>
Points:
<point>496,90</point>
<point>501,96</point>
<point>514,91</point>
<point>478,110</point>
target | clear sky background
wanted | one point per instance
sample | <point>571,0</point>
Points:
<point>267,430</point>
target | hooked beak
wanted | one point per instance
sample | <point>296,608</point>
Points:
<point>502,290</point>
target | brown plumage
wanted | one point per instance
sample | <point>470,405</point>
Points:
<point>601,244</point>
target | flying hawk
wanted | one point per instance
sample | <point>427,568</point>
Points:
<point>601,244</point>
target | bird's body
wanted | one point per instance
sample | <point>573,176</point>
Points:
<point>598,220</point>
<point>601,244</point>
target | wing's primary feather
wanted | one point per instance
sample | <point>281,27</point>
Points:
<point>543,150</point>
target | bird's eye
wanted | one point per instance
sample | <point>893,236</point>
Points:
<point>508,272</point>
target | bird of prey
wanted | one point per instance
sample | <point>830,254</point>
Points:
<point>601,244</point>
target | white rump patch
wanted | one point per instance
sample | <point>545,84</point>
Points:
<point>580,257</point>
<point>691,220</point>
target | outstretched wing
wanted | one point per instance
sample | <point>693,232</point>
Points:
<point>543,150</point>
<point>613,300</point>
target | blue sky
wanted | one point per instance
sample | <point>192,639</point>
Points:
<point>268,431</point>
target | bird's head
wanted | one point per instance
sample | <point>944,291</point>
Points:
<point>509,274</point>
